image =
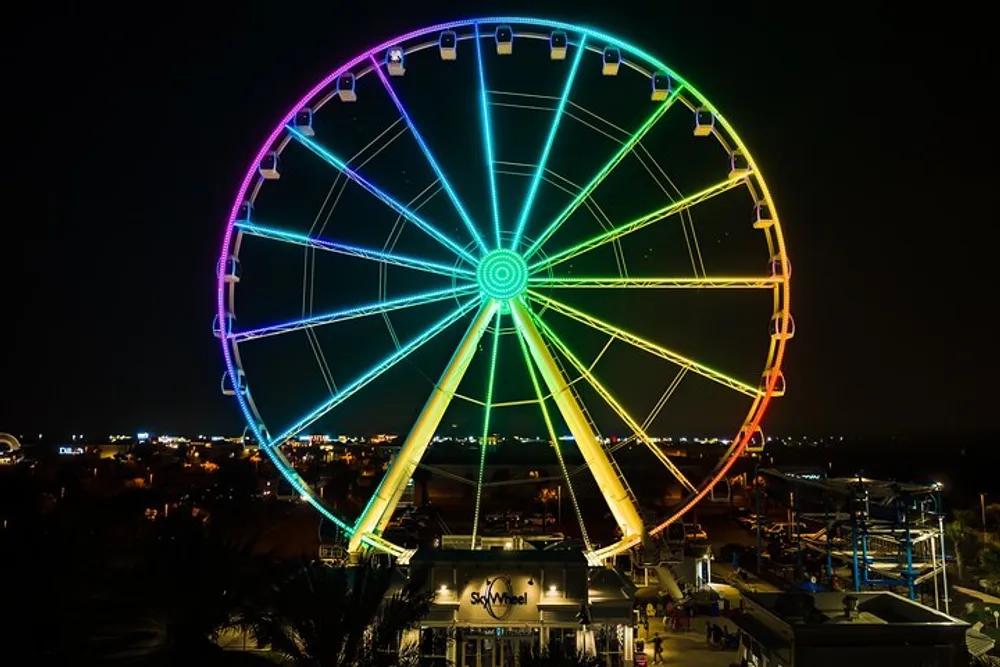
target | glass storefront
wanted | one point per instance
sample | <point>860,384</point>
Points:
<point>499,648</point>
<point>610,645</point>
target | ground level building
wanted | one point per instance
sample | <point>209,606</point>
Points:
<point>490,605</point>
<point>859,629</point>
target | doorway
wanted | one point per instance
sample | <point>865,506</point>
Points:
<point>489,650</point>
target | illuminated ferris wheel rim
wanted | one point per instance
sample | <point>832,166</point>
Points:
<point>511,279</point>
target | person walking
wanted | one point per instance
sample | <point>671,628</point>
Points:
<point>657,649</point>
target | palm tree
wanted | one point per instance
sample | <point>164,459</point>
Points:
<point>963,535</point>
<point>194,580</point>
<point>321,616</point>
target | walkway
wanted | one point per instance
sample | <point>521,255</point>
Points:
<point>688,649</point>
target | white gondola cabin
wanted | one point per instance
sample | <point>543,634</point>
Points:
<point>782,326</point>
<point>394,58</point>
<point>230,269</point>
<point>612,61</point>
<point>762,218</point>
<point>303,122</point>
<point>704,122</point>
<point>662,86</point>
<point>739,166</point>
<point>268,167</point>
<point>345,87</point>
<point>558,43</point>
<point>226,328</point>
<point>505,40</point>
<point>448,45</point>
<point>245,213</point>
<point>779,382</point>
<point>231,389</point>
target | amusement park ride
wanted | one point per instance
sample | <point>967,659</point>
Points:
<point>505,264</point>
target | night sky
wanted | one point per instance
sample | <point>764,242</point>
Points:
<point>134,130</point>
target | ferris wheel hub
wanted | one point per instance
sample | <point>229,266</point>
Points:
<point>502,274</point>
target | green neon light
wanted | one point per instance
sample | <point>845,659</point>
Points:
<point>638,223</point>
<point>602,174</point>
<point>484,107</point>
<point>487,408</point>
<point>502,274</point>
<point>529,200</point>
<point>529,364</point>
<point>612,402</point>
<point>643,344</point>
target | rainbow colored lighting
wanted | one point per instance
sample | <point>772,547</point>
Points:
<point>503,282</point>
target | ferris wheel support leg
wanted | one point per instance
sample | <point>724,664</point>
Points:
<point>379,511</point>
<point>611,487</point>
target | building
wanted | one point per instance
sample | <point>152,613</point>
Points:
<point>857,629</point>
<point>490,605</point>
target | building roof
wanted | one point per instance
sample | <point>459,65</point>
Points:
<point>979,644</point>
<point>759,630</point>
<point>498,557</point>
<point>876,608</point>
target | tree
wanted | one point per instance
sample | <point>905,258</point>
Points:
<point>321,616</point>
<point>193,580</point>
<point>991,565</point>
<point>963,536</point>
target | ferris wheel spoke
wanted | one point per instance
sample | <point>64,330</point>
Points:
<point>602,174</point>
<point>378,512</point>
<point>657,283</point>
<point>456,202</point>
<point>611,485</point>
<point>536,180</point>
<point>373,373</point>
<point>645,345</point>
<point>484,111</point>
<point>611,235</point>
<point>553,438</point>
<point>377,308</point>
<point>487,407</point>
<point>396,206</point>
<point>613,403</point>
<point>353,251</point>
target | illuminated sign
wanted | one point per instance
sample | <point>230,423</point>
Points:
<point>70,451</point>
<point>498,598</point>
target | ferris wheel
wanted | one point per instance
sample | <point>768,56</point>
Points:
<point>512,191</point>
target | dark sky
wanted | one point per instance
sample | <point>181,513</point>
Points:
<point>872,127</point>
